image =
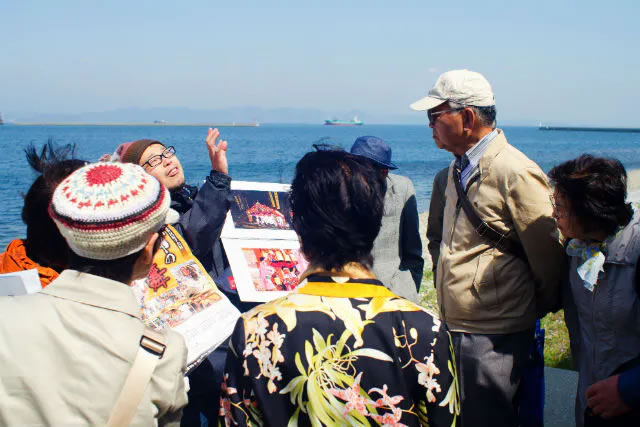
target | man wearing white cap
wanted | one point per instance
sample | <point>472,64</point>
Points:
<point>68,352</point>
<point>501,262</point>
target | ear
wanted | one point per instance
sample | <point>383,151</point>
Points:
<point>143,264</point>
<point>468,119</point>
<point>149,249</point>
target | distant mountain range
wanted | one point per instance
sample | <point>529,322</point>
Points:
<point>226,115</point>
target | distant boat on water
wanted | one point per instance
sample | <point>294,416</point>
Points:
<point>336,122</point>
<point>1,122</point>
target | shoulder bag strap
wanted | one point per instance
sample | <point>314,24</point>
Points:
<point>152,347</point>
<point>482,228</point>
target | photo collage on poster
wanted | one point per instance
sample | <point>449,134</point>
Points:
<point>262,248</point>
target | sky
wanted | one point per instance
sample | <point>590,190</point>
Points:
<point>567,62</point>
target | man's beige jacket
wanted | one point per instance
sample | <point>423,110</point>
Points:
<point>65,353</point>
<point>481,289</point>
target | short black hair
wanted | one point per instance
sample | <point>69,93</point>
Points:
<point>44,244</point>
<point>596,189</point>
<point>337,201</point>
<point>120,269</point>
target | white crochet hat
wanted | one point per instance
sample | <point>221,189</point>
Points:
<point>107,211</point>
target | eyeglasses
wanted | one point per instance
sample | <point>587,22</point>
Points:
<point>157,159</point>
<point>434,116</point>
<point>560,211</point>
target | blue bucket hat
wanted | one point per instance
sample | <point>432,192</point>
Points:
<point>375,149</point>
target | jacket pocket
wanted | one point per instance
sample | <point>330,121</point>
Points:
<point>484,283</point>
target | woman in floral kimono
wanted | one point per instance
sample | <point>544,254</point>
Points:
<point>341,349</point>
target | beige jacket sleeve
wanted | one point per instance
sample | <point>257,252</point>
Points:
<point>531,211</point>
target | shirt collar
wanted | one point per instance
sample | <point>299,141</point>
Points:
<point>474,154</point>
<point>94,290</point>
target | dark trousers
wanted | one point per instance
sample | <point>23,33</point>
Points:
<point>204,390</point>
<point>489,371</point>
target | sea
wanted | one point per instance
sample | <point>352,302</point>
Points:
<point>269,153</point>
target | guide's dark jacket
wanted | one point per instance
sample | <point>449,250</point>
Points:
<point>202,214</point>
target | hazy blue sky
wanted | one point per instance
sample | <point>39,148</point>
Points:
<point>574,62</point>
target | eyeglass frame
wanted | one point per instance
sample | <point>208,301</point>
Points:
<point>172,152</point>
<point>564,213</point>
<point>433,117</point>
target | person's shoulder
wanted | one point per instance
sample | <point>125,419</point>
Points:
<point>510,158</point>
<point>401,184</point>
<point>176,350</point>
<point>399,179</point>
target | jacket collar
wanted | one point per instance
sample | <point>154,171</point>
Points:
<point>182,198</point>
<point>95,291</point>
<point>622,249</point>
<point>342,287</point>
<point>497,145</point>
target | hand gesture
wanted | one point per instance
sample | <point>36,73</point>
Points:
<point>604,399</point>
<point>217,153</point>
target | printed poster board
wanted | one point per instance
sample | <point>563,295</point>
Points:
<point>264,270</point>
<point>259,210</point>
<point>261,245</point>
<point>179,294</point>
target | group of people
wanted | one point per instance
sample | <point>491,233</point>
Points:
<point>350,345</point>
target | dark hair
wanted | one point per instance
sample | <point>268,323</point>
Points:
<point>120,269</point>
<point>44,244</point>
<point>596,189</point>
<point>337,202</point>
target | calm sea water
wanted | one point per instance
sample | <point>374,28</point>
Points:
<point>269,153</point>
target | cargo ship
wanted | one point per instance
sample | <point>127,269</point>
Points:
<point>336,122</point>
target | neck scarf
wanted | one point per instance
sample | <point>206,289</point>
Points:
<point>593,255</point>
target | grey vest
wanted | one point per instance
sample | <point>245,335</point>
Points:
<point>604,325</point>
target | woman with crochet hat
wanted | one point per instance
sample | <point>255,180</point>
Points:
<point>68,349</point>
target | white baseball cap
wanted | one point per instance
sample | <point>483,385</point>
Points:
<point>460,86</point>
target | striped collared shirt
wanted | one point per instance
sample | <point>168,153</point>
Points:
<point>473,155</point>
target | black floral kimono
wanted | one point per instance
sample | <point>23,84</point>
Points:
<point>332,353</point>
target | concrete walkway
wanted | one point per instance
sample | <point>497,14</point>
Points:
<point>560,397</point>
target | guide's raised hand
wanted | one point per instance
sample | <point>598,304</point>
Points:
<point>217,152</point>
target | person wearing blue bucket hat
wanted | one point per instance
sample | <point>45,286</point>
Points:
<point>397,251</point>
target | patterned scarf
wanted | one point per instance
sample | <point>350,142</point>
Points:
<point>593,255</point>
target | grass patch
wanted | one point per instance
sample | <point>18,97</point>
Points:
<point>557,353</point>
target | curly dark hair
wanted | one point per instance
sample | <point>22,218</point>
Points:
<point>44,244</point>
<point>596,188</point>
<point>337,201</point>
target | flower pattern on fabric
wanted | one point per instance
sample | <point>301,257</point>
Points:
<point>322,359</point>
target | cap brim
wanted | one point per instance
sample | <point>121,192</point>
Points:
<point>427,103</point>
<point>172,217</point>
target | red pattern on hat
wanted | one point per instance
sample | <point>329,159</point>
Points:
<point>103,174</point>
